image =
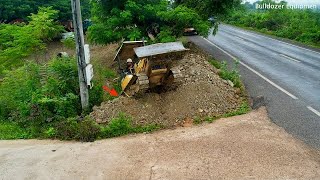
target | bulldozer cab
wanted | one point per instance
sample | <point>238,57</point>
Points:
<point>126,51</point>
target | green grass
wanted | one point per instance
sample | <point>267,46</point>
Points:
<point>243,109</point>
<point>210,119</point>
<point>86,130</point>
<point>122,125</point>
<point>215,63</point>
<point>109,74</point>
<point>273,34</point>
<point>232,75</point>
<point>12,131</point>
<point>197,120</point>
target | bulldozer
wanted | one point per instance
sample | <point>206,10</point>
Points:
<point>153,65</point>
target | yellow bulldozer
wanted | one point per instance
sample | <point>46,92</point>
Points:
<point>143,67</point>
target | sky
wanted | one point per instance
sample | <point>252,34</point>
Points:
<point>297,2</point>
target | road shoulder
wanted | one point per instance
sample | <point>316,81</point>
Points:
<point>247,146</point>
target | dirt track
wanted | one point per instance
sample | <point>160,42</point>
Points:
<point>244,147</point>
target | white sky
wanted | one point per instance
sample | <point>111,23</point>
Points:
<point>298,2</point>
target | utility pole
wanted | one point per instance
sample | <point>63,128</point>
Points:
<point>79,38</point>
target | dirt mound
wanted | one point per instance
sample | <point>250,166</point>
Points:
<point>203,93</point>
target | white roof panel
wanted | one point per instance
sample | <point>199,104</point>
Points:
<point>160,48</point>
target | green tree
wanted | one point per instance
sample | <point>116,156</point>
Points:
<point>114,20</point>
<point>20,9</point>
<point>208,8</point>
<point>18,41</point>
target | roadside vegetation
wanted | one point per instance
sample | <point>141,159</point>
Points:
<point>153,20</point>
<point>226,74</point>
<point>294,24</point>
<point>19,10</point>
<point>243,109</point>
<point>40,99</point>
<point>18,41</point>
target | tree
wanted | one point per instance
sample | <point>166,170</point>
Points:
<point>20,40</point>
<point>20,9</point>
<point>114,20</point>
<point>208,8</point>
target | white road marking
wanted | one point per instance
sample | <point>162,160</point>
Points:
<point>239,38</point>
<point>276,40</point>
<point>314,111</point>
<point>290,58</point>
<point>254,71</point>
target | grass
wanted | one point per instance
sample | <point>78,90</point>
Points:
<point>243,109</point>
<point>12,131</point>
<point>215,63</point>
<point>122,125</point>
<point>86,130</point>
<point>232,75</point>
<point>274,35</point>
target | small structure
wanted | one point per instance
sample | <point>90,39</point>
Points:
<point>152,65</point>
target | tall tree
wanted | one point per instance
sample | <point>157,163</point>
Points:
<point>114,20</point>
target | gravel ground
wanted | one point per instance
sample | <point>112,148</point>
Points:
<point>242,147</point>
<point>202,93</point>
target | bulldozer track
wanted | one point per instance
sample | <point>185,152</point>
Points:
<point>178,77</point>
<point>143,82</point>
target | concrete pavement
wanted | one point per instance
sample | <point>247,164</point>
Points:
<point>242,147</point>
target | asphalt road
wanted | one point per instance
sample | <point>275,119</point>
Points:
<point>286,75</point>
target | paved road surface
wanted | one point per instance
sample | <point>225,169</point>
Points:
<point>242,147</point>
<point>288,76</point>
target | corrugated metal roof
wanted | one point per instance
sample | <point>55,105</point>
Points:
<point>161,48</point>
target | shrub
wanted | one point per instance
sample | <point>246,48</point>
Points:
<point>122,125</point>
<point>88,130</point>
<point>117,127</point>
<point>69,43</point>
<point>11,130</point>
<point>38,94</point>
<point>67,129</point>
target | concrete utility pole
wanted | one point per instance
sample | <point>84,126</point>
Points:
<point>79,38</point>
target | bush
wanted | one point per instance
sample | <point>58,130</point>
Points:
<point>122,125</point>
<point>69,43</point>
<point>12,131</point>
<point>117,127</point>
<point>67,129</point>
<point>88,130</point>
<point>35,95</point>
